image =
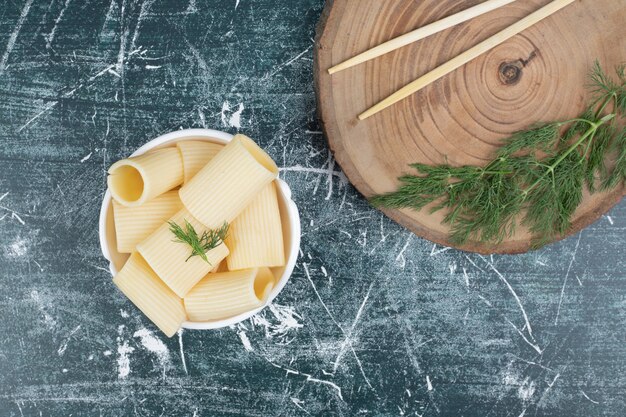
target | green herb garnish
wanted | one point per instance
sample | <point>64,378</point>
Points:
<point>200,245</point>
<point>537,177</point>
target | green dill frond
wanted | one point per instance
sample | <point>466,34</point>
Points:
<point>550,205</point>
<point>618,173</point>
<point>601,84</point>
<point>621,72</point>
<point>537,177</point>
<point>577,127</point>
<point>598,151</point>
<point>540,138</point>
<point>200,245</point>
<point>606,89</point>
<point>620,97</point>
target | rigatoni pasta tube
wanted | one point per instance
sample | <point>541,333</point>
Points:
<point>135,181</point>
<point>255,237</point>
<point>134,224</point>
<point>226,294</point>
<point>196,154</point>
<point>144,288</point>
<point>170,259</point>
<point>228,183</point>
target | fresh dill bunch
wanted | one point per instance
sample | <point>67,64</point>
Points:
<point>535,179</point>
<point>200,245</point>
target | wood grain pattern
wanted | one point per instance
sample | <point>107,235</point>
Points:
<point>538,75</point>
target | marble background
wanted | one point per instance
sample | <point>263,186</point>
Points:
<point>374,321</point>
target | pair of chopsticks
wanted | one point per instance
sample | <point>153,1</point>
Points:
<point>454,63</point>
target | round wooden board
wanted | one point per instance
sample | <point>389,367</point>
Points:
<point>539,75</point>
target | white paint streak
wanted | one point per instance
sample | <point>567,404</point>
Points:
<point>346,337</point>
<point>330,162</point>
<point>52,34</point>
<point>13,37</point>
<point>327,169</point>
<point>232,119</point>
<point>280,67</point>
<point>202,118</point>
<point>85,158</point>
<point>531,344</point>
<point>400,257</point>
<point>18,248</point>
<point>610,219</point>
<point>48,320</point>
<point>155,345</point>
<point>474,263</point>
<point>526,390</point>
<point>145,8</point>
<point>245,341</point>
<point>579,281</point>
<point>123,352</point>
<point>182,350</point>
<point>296,401</point>
<point>551,384</point>
<point>517,299</point>
<point>429,384</point>
<point>466,277</point>
<point>434,252</point>
<point>569,268</point>
<point>63,347</point>
<point>235,118</point>
<point>38,115</point>
<point>281,325</point>
<point>15,216</point>
<point>72,91</point>
<point>587,397</point>
<point>309,377</point>
<point>123,39</point>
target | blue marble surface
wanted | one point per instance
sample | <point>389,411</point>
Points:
<point>374,321</point>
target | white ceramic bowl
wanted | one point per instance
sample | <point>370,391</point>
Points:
<point>288,212</point>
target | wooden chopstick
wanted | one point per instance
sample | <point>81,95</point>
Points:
<point>421,33</point>
<point>467,56</point>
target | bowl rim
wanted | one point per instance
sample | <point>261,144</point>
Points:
<point>284,192</point>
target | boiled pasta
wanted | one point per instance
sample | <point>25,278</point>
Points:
<point>226,294</point>
<point>196,154</point>
<point>229,197</point>
<point>144,288</point>
<point>170,259</point>
<point>228,183</point>
<point>134,224</point>
<point>255,237</point>
<point>137,180</point>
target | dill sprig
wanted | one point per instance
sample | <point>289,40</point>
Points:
<point>200,245</point>
<point>536,178</point>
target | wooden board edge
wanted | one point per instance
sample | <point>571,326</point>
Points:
<point>329,14</point>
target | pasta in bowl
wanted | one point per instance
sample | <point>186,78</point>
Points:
<point>198,229</point>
